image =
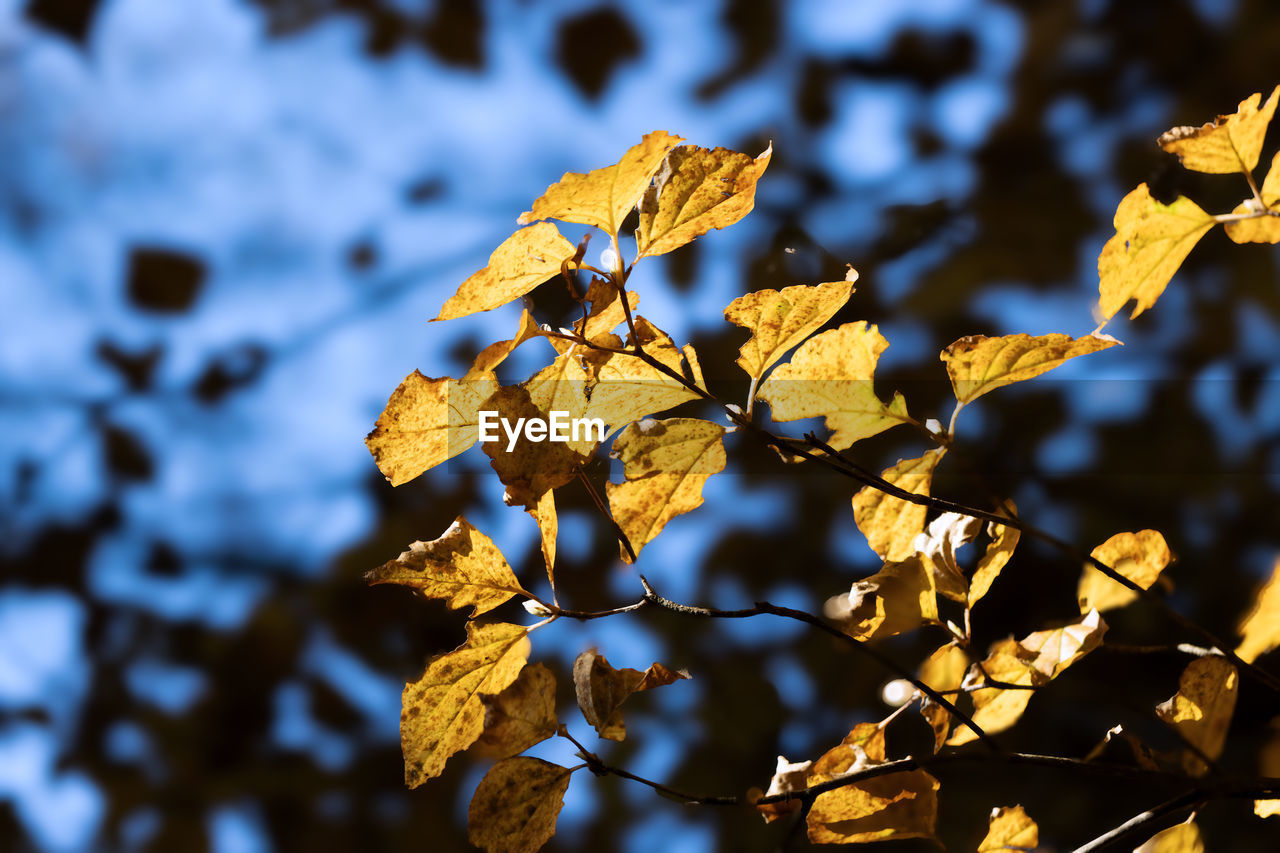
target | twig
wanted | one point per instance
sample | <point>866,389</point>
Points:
<point>604,511</point>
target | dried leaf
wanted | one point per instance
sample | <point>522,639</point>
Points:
<point>939,542</point>
<point>1004,540</point>
<point>1260,628</point>
<point>898,598</point>
<point>516,804</point>
<point>564,386</point>
<point>891,524</point>
<point>996,709</point>
<point>426,422</point>
<point>606,309</point>
<point>1010,828</point>
<point>1058,648</point>
<point>1229,144</point>
<point>628,388</point>
<point>524,260</point>
<point>548,527</point>
<point>530,468</point>
<point>666,463</point>
<point>462,568</point>
<point>1151,241</point>
<point>1183,838</point>
<point>494,354</point>
<point>601,690</point>
<point>696,190</point>
<point>899,805</point>
<point>604,197</point>
<point>1261,229</point>
<point>862,747</point>
<point>520,716</point>
<point>944,671</point>
<point>979,364</point>
<point>779,320</point>
<point>831,375</point>
<point>1266,808</point>
<point>1140,557</point>
<point>1201,709</point>
<point>442,712</point>
<point>787,777</point>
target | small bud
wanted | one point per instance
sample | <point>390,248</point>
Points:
<point>536,608</point>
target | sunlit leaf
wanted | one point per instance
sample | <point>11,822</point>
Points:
<point>515,806</point>
<point>996,709</point>
<point>666,463</point>
<point>462,568</point>
<point>426,422</point>
<point>601,690</point>
<point>780,320</point>
<point>529,469</point>
<point>939,542</point>
<point>1266,808</point>
<point>1140,557</point>
<point>944,671</point>
<point>1183,838</point>
<point>1258,229</point>
<point>1201,709</point>
<point>494,354</point>
<point>564,386</point>
<point>442,712</point>
<point>899,805</point>
<point>520,716</point>
<point>1010,828</point>
<point>604,197</point>
<point>831,375</point>
<point>862,747</point>
<point>1058,648</point>
<point>606,312</point>
<point>548,527</point>
<point>1260,627</point>
<point>524,260</point>
<point>979,364</point>
<point>891,524</point>
<point>788,777</point>
<point>628,388</point>
<point>1004,539</point>
<point>898,598</point>
<point>1151,241</point>
<point>1229,144</point>
<point>1141,753</point>
<point>696,190</point>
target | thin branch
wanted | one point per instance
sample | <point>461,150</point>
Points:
<point>1139,824</point>
<point>599,768</point>
<point>604,511</point>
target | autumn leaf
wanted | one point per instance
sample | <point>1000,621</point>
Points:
<point>1010,828</point>
<point>529,469</point>
<point>899,805</point>
<point>1151,241</point>
<point>1260,627</point>
<point>564,386</point>
<point>943,671</point>
<point>1201,709</point>
<point>779,320</point>
<point>1266,808</point>
<point>666,463</point>
<point>462,568</point>
<point>604,197</point>
<point>898,598</point>
<point>831,375</point>
<point>548,528</point>
<point>628,388</point>
<point>494,354</point>
<point>442,713</point>
<point>1183,838</point>
<point>788,777</point>
<point>978,364</point>
<point>606,311</point>
<point>696,190</point>
<point>515,806</point>
<point>524,260</point>
<point>996,709</point>
<point>601,690</point>
<point>891,524</point>
<point>939,542</point>
<point>1229,144</point>
<point>520,716</point>
<point>1004,539</point>
<point>862,747</point>
<point>1140,557</point>
<point>1058,648</point>
<point>426,422</point>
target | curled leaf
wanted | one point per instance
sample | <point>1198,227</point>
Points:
<point>898,598</point>
<point>601,690</point>
<point>494,354</point>
<point>945,535</point>
<point>979,364</point>
<point>944,671</point>
<point>1260,628</point>
<point>899,805</point>
<point>524,260</point>
<point>519,716</point>
<point>1004,539</point>
<point>529,469</point>
<point>787,777</point>
<point>548,528</point>
<point>1229,144</point>
<point>1183,838</point>
<point>1010,828</point>
<point>515,806</point>
<point>1201,709</point>
<point>1140,557</point>
<point>1260,229</point>
<point>779,320</point>
<point>891,524</point>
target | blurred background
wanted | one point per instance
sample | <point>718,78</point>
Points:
<point>224,225</point>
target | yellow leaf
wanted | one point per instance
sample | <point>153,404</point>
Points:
<point>1258,229</point>
<point>979,364</point>
<point>606,309</point>
<point>1201,709</point>
<point>787,777</point>
<point>831,375</point>
<point>891,524</point>
<point>601,690</point>
<point>494,354</point>
<point>426,422</point>
<point>1056,649</point>
<point>1140,557</point>
<point>944,671</point>
<point>862,747</point>
<point>516,804</point>
<point>1150,243</point>
<point>939,542</point>
<point>563,386</point>
<point>463,567</point>
<point>529,469</point>
<point>628,388</point>
<point>524,260</point>
<point>1004,540</point>
<point>696,189</point>
<point>1010,828</point>
<point>1260,627</point>
<point>996,709</point>
<point>1229,144</point>
<point>898,598</point>
<point>695,368</point>
<point>779,320</point>
<point>1183,838</point>
<point>520,716</point>
<point>665,464</point>
<point>442,712</point>
<point>548,527</point>
<point>899,805</point>
<point>1266,808</point>
<point>604,197</point>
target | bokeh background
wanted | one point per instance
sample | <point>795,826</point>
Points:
<point>224,225</point>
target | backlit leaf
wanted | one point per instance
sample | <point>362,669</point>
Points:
<point>697,189</point>
<point>604,197</point>
<point>1151,241</point>
<point>494,354</point>
<point>944,671</point>
<point>899,805</point>
<point>1004,539</point>
<point>996,709</point>
<point>898,598</point>
<point>462,568</point>
<point>524,260</point>
<point>939,542</point>
<point>666,463</point>
<point>1183,838</point>
<point>601,690</point>
<point>426,422</point>
<point>1260,627</point>
<point>442,712</point>
<point>891,524</point>
<point>530,468</point>
<point>862,747</point>
<point>1258,229</point>
<point>548,527</point>
<point>1140,557</point>
<point>788,777</point>
<point>831,375</point>
<point>1058,648</point>
<point>628,388</point>
<point>1266,808</point>
<point>779,320</point>
<point>1201,709</point>
<point>1010,828</point>
<point>564,386</point>
<point>606,312</point>
<point>515,806</point>
<point>979,364</point>
<point>520,716</point>
<point>1229,144</point>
